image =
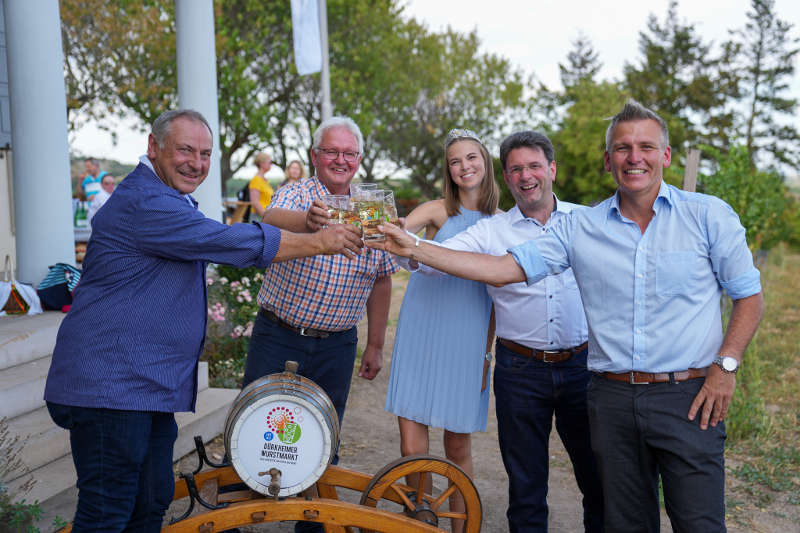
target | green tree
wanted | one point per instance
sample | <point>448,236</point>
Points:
<point>454,85</point>
<point>583,63</point>
<point>768,52</point>
<point>759,198</point>
<point>580,142</point>
<point>404,85</point>
<point>119,58</point>
<point>679,77</point>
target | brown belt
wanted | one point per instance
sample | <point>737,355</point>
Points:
<point>547,356</point>
<point>640,378</point>
<point>305,332</point>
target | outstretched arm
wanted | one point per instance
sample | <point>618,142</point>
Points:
<point>491,269</point>
<point>715,396</point>
<point>336,239</point>
<point>298,221</point>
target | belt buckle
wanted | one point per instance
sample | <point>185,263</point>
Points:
<point>632,379</point>
<point>303,332</point>
<point>546,353</point>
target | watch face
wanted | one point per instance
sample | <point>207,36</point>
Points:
<point>729,364</point>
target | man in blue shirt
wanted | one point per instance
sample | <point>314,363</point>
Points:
<point>91,183</point>
<point>651,263</point>
<point>145,266</point>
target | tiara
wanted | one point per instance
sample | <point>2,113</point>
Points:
<point>460,133</point>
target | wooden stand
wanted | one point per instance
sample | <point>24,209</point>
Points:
<point>386,504</point>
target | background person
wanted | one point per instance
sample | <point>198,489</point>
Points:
<point>106,188</point>
<point>259,187</point>
<point>90,184</point>
<point>294,173</point>
<point>438,376</point>
<point>145,265</point>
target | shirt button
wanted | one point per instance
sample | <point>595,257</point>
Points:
<point>636,357</point>
<point>638,275</point>
<point>638,331</point>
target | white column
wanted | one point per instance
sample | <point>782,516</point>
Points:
<point>197,86</point>
<point>42,195</point>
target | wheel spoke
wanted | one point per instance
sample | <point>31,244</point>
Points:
<point>422,504</point>
<point>435,504</point>
<point>403,495</point>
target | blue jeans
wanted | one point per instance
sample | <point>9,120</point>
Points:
<point>327,362</point>
<point>642,431</point>
<point>124,464</point>
<point>528,392</point>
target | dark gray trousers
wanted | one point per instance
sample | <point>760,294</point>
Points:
<point>639,432</point>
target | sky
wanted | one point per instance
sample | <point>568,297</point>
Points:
<point>534,35</point>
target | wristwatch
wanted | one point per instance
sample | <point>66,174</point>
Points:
<point>728,364</point>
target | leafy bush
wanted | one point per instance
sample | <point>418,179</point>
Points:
<point>232,308</point>
<point>759,198</point>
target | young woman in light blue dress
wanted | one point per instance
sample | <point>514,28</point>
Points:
<point>439,372</point>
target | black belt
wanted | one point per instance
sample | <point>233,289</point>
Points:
<point>305,332</point>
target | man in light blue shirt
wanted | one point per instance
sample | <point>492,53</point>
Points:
<point>651,263</point>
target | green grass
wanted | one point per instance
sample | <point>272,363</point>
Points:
<point>764,417</point>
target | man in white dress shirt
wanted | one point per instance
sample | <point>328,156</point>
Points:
<point>541,344</point>
<point>106,188</point>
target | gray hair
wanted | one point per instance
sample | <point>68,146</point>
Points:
<point>526,139</point>
<point>632,111</point>
<point>162,124</point>
<point>338,122</point>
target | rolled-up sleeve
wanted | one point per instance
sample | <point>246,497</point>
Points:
<point>730,256</point>
<point>531,261</point>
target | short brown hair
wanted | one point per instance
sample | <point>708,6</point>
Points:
<point>633,111</point>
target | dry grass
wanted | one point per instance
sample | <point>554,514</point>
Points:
<point>765,458</point>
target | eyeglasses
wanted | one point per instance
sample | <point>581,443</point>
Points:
<point>330,155</point>
<point>517,170</point>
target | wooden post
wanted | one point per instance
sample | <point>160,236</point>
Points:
<point>690,175</point>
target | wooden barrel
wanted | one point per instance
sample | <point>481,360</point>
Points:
<point>283,421</point>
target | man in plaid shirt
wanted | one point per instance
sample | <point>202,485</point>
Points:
<point>309,308</point>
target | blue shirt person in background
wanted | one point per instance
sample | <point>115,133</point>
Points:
<point>92,182</point>
<point>116,389</point>
<point>651,263</point>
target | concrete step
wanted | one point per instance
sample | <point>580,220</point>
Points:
<point>27,338</point>
<point>22,387</point>
<point>208,420</point>
<point>46,442</point>
<point>56,479</point>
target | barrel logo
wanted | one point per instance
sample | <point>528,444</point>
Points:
<point>284,424</point>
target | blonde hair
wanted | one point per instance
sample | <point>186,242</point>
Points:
<point>302,169</point>
<point>490,192</point>
<point>261,157</point>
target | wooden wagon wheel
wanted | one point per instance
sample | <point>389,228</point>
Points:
<point>422,503</point>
